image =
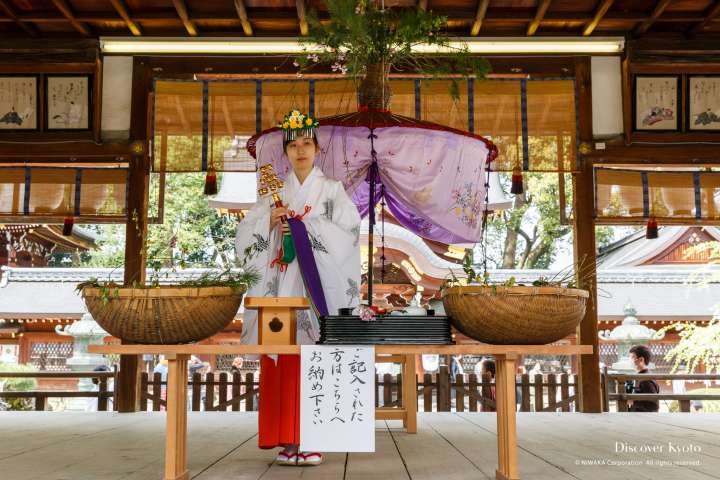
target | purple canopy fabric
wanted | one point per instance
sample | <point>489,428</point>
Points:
<point>433,177</point>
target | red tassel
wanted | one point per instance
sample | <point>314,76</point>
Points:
<point>652,229</point>
<point>516,187</point>
<point>68,227</point>
<point>210,183</point>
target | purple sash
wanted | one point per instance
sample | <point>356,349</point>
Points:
<point>308,267</point>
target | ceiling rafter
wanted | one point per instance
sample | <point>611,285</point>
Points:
<point>10,12</point>
<point>602,9</point>
<point>182,12</point>
<point>300,4</point>
<point>144,17</point>
<point>243,16</point>
<point>70,16</point>
<point>700,26</point>
<point>646,24</point>
<point>542,8</point>
<point>125,15</point>
<point>479,17</point>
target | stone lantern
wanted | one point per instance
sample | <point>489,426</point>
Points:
<point>85,332</point>
<point>627,334</point>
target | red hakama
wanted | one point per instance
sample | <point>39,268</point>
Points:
<point>279,408</point>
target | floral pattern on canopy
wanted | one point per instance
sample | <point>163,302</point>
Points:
<point>433,178</point>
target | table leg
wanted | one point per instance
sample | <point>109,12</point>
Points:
<point>506,416</point>
<point>410,394</point>
<point>176,430</point>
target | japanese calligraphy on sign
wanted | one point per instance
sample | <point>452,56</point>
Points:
<point>337,405</point>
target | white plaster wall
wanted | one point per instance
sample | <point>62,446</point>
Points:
<point>116,97</point>
<point>606,96</point>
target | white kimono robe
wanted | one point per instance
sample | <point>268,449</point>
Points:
<point>333,225</point>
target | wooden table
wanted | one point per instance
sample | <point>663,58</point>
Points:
<point>505,361</point>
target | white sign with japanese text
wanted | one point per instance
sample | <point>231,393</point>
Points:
<point>337,403</point>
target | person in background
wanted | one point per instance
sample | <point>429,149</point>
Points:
<point>237,365</point>
<point>456,367</point>
<point>162,369</point>
<point>92,405</point>
<point>640,356</point>
<point>487,369</point>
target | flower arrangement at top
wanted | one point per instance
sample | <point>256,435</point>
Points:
<point>364,39</point>
<point>296,123</point>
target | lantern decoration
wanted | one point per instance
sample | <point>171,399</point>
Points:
<point>210,182</point>
<point>516,187</point>
<point>68,226</point>
<point>652,229</point>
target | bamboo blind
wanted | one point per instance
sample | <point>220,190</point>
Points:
<point>622,195</point>
<point>59,192</point>
<point>201,125</point>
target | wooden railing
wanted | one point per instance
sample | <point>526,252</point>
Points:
<point>614,390</point>
<point>436,392</point>
<point>41,396</point>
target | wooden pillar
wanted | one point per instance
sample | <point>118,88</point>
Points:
<point>584,245</point>
<point>128,382</point>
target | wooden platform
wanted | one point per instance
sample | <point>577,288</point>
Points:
<point>99,446</point>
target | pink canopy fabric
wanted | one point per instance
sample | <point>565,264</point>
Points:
<point>434,178</point>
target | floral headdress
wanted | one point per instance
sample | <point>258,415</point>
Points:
<point>296,124</point>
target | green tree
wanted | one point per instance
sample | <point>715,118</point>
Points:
<point>530,234</point>
<point>191,235</point>
<point>699,345</point>
<point>18,385</point>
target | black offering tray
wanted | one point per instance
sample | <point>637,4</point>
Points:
<point>385,329</point>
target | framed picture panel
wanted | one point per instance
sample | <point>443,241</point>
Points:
<point>657,103</point>
<point>703,97</point>
<point>19,102</point>
<point>67,101</point>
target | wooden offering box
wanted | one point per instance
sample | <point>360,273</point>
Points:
<point>277,318</point>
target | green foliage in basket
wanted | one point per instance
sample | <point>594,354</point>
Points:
<point>565,278</point>
<point>238,281</point>
<point>360,33</point>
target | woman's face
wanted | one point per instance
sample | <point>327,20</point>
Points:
<point>301,153</point>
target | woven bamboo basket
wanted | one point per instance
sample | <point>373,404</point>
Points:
<point>164,315</point>
<point>515,315</point>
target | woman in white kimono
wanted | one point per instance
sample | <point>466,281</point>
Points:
<point>333,226</point>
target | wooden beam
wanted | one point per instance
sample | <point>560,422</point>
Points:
<point>584,247</point>
<point>300,4</point>
<point>699,27</point>
<point>68,13</point>
<point>10,12</point>
<point>125,15</point>
<point>182,12</point>
<point>479,17</point>
<point>646,24</point>
<point>422,4</point>
<point>242,14</point>
<point>128,383</point>
<point>599,14</point>
<point>539,15</point>
<point>502,17</point>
